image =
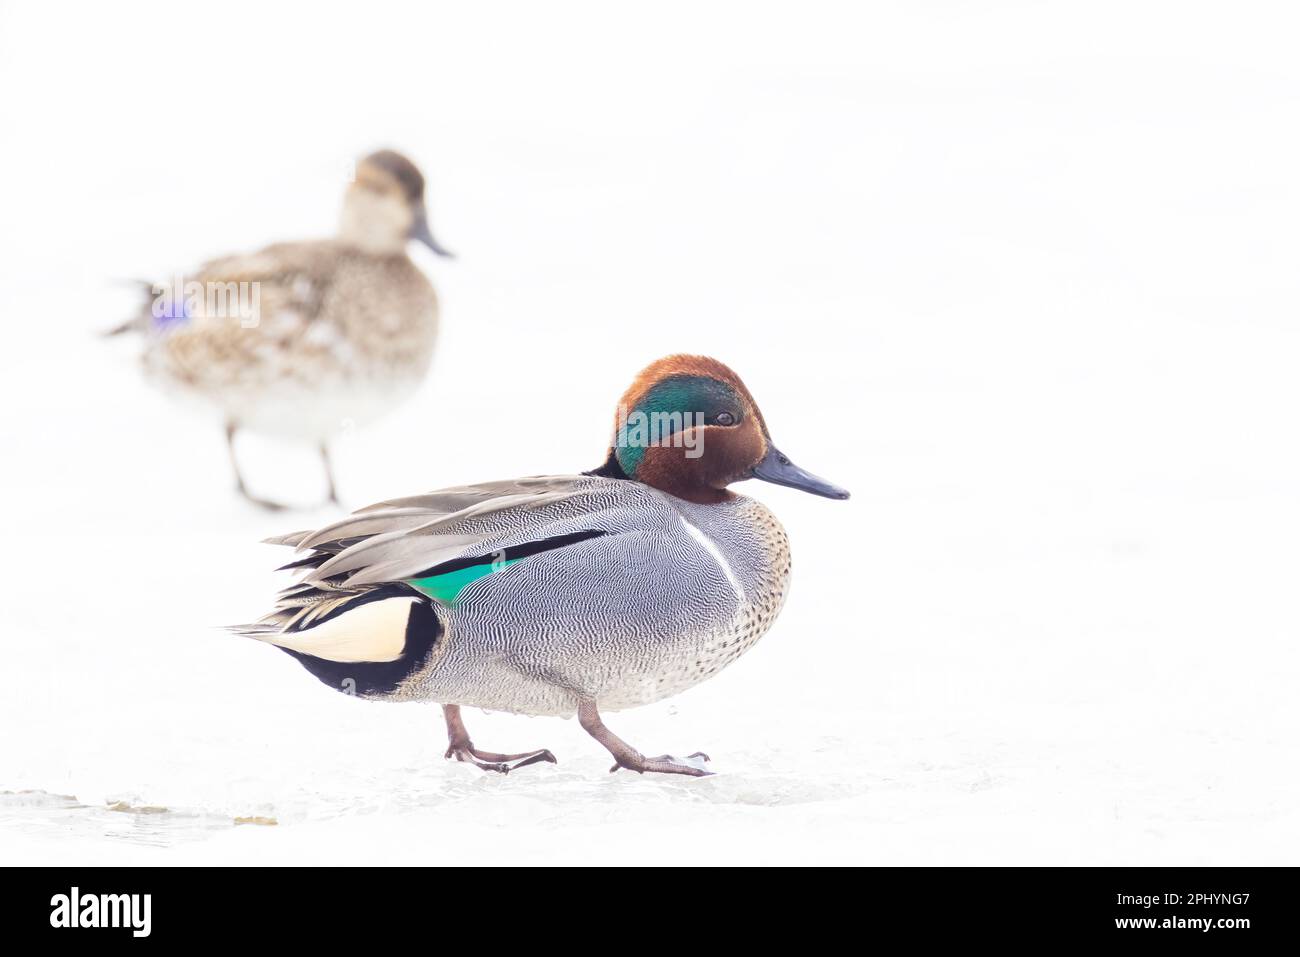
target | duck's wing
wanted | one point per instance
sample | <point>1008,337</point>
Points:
<point>424,537</point>
<point>238,313</point>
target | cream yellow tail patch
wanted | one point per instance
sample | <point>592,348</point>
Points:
<point>375,632</point>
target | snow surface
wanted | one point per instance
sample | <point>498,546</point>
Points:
<point>1022,278</point>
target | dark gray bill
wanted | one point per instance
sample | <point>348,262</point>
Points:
<point>779,470</point>
<point>420,233</point>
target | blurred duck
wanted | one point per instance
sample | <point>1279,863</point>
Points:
<point>563,594</point>
<point>302,340</point>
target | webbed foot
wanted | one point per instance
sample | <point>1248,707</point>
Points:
<point>626,756</point>
<point>692,764</point>
<point>501,763</point>
<point>462,748</point>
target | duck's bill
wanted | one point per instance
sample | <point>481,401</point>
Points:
<point>421,233</point>
<point>777,468</point>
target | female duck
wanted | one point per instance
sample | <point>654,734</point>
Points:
<point>556,595</point>
<point>301,339</point>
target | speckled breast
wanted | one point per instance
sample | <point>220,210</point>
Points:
<point>754,545</point>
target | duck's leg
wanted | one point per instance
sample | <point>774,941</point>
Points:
<point>240,487</point>
<point>462,749</point>
<point>329,474</point>
<point>626,756</point>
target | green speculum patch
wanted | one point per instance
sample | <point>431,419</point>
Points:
<point>447,587</point>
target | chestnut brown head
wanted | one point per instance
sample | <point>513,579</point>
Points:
<point>688,426</point>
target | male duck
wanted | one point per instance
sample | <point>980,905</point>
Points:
<point>304,339</point>
<point>562,593</point>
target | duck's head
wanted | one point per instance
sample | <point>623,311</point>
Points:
<point>688,426</point>
<point>384,206</point>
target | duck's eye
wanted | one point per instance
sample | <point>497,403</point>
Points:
<point>725,418</point>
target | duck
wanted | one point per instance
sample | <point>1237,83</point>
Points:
<point>304,340</point>
<point>559,595</point>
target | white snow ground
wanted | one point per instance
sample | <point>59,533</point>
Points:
<point>1023,279</point>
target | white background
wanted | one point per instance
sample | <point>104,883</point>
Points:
<point>1020,275</point>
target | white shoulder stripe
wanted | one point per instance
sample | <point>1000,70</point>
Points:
<point>718,557</point>
<point>375,631</point>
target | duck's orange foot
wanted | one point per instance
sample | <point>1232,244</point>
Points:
<point>501,763</point>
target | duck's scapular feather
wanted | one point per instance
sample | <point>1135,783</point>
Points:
<point>393,542</point>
